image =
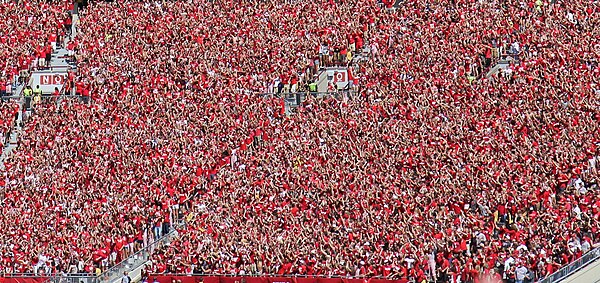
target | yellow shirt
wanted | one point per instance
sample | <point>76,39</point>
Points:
<point>471,79</point>
<point>189,217</point>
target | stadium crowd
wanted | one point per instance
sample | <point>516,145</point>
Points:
<point>8,113</point>
<point>31,29</point>
<point>450,176</point>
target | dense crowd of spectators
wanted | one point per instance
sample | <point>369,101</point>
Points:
<point>8,115</point>
<point>30,30</point>
<point>449,176</point>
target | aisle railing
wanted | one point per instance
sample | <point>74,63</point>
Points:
<point>137,259</point>
<point>573,267</point>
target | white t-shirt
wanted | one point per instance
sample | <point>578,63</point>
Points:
<point>578,184</point>
<point>520,272</point>
<point>42,259</point>
<point>508,262</point>
<point>409,262</point>
<point>585,247</point>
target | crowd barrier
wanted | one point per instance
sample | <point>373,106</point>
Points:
<point>262,279</point>
<point>573,267</point>
<point>161,278</point>
<point>24,279</point>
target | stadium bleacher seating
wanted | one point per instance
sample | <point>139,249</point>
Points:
<point>449,175</point>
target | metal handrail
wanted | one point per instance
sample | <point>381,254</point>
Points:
<point>42,96</point>
<point>21,94</point>
<point>151,246</point>
<point>62,89</point>
<point>86,278</point>
<point>72,278</point>
<point>314,93</point>
<point>25,275</point>
<point>573,267</point>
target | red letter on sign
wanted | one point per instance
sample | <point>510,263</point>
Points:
<point>58,80</point>
<point>45,80</point>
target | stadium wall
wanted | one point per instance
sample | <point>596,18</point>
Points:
<point>160,278</point>
<point>23,279</point>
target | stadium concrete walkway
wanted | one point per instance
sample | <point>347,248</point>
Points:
<point>14,135</point>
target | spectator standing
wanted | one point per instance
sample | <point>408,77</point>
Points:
<point>27,93</point>
<point>125,278</point>
<point>521,273</point>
